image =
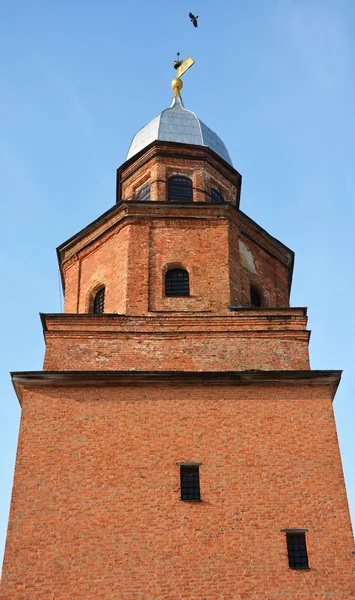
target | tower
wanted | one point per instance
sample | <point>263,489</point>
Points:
<point>177,443</point>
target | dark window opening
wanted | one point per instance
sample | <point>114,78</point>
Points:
<point>177,283</point>
<point>255,299</point>
<point>190,482</point>
<point>297,550</point>
<point>216,196</point>
<point>144,193</point>
<point>179,189</point>
<point>99,302</point>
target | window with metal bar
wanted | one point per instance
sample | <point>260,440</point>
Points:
<point>179,189</point>
<point>98,304</point>
<point>144,193</point>
<point>255,299</point>
<point>190,482</point>
<point>297,550</point>
<point>216,195</point>
<point>177,283</point>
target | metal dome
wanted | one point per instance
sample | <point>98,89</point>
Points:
<point>177,124</point>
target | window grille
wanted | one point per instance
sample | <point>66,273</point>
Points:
<point>177,283</point>
<point>99,302</point>
<point>144,193</point>
<point>179,189</point>
<point>297,550</point>
<point>216,195</point>
<point>190,482</point>
<point>255,299</point>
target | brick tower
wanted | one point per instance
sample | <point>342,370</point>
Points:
<point>177,443</point>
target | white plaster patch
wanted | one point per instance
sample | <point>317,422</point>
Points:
<point>246,257</point>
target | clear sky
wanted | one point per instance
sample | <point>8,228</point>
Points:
<point>274,78</point>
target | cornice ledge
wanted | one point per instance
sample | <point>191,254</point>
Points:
<point>125,210</point>
<point>31,379</point>
<point>176,150</point>
<point>236,315</point>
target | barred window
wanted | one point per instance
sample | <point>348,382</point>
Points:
<point>297,550</point>
<point>144,193</point>
<point>98,304</point>
<point>216,195</point>
<point>190,482</point>
<point>179,189</point>
<point>177,283</point>
<point>255,298</point>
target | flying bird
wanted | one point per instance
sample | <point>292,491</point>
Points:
<point>193,19</point>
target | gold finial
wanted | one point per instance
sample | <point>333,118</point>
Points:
<point>181,67</point>
<point>176,84</point>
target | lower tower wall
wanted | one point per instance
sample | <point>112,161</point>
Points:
<point>96,509</point>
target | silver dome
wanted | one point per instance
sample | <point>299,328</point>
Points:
<point>177,124</point>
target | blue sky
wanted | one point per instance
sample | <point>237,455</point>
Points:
<point>274,78</point>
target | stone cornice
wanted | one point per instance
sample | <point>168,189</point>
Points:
<point>33,379</point>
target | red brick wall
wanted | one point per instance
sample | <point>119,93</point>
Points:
<point>202,248</point>
<point>175,352</point>
<point>131,255</point>
<point>242,341</point>
<point>270,277</point>
<point>160,162</point>
<point>101,263</point>
<point>96,511</point>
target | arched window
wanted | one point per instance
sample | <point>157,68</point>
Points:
<point>216,195</point>
<point>177,283</point>
<point>179,189</point>
<point>255,298</point>
<point>98,303</point>
<point>144,193</point>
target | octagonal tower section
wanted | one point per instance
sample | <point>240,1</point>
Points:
<point>177,207</point>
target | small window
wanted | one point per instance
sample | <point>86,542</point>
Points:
<point>98,304</point>
<point>297,550</point>
<point>144,193</point>
<point>177,283</point>
<point>179,189</point>
<point>216,195</point>
<point>190,482</point>
<point>255,299</point>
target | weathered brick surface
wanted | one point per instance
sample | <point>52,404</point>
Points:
<point>245,340</point>
<point>162,160</point>
<point>96,510</point>
<point>181,244</point>
<point>212,352</point>
<point>131,252</point>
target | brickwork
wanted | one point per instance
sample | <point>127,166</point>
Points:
<point>238,342</point>
<point>156,164</point>
<point>130,252</point>
<point>96,505</point>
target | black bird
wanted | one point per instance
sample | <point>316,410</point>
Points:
<point>193,19</point>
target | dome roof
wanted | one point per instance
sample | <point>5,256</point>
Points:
<point>177,124</point>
